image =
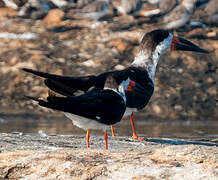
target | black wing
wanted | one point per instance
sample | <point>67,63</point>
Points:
<point>68,85</point>
<point>105,106</point>
<point>65,85</point>
<point>143,89</point>
<point>139,96</point>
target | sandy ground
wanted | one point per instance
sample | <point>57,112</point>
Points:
<point>29,156</point>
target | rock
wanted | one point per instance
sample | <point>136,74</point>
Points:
<point>212,91</point>
<point>7,12</point>
<point>53,16</point>
<point>178,107</point>
<point>156,109</point>
<point>119,67</point>
<point>210,80</point>
<point>35,157</point>
<point>89,63</point>
<point>211,34</point>
<point>119,44</point>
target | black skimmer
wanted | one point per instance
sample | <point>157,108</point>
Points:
<point>82,3</point>
<point>211,13</point>
<point>96,109</point>
<point>95,9</point>
<point>180,15</point>
<point>160,8</point>
<point>141,72</point>
<point>36,9</point>
<point>166,6</point>
<point>212,8</point>
<point>9,3</point>
<point>127,6</point>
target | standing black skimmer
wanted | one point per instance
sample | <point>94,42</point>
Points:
<point>141,72</point>
<point>180,15</point>
<point>127,6</point>
<point>96,109</point>
<point>166,6</point>
<point>82,3</point>
<point>95,9</point>
<point>211,13</point>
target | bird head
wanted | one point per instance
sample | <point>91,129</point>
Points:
<point>158,41</point>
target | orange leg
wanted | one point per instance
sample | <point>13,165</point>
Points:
<point>112,130</point>
<point>87,138</point>
<point>105,137</point>
<point>134,136</point>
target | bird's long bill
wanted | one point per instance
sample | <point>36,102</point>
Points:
<point>181,44</point>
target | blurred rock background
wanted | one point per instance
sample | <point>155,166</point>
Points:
<point>51,36</point>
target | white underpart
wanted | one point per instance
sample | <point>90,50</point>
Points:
<point>184,18</point>
<point>121,9</point>
<point>151,12</point>
<point>86,123</point>
<point>179,23</point>
<point>11,4</point>
<point>129,111</point>
<point>189,4</point>
<point>152,1</point>
<point>26,35</point>
<point>143,59</point>
<point>95,15</point>
<point>59,3</point>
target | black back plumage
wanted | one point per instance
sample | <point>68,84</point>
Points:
<point>66,85</point>
<point>103,105</point>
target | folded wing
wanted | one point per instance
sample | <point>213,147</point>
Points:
<point>105,106</point>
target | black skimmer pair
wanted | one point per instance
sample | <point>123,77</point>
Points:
<point>141,72</point>
<point>95,109</point>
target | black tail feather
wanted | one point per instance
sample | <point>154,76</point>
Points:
<point>32,98</point>
<point>60,88</point>
<point>65,85</point>
<point>55,103</point>
<point>45,75</point>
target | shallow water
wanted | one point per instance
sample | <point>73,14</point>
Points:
<point>54,125</point>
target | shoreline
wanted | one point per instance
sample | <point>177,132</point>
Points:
<point>66,157</point>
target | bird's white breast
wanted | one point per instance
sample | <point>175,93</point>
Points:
<point>86,123</point>
<point>129,111</point>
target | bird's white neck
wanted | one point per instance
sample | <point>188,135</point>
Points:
<point>148,59</point>
<point>149,63</point>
